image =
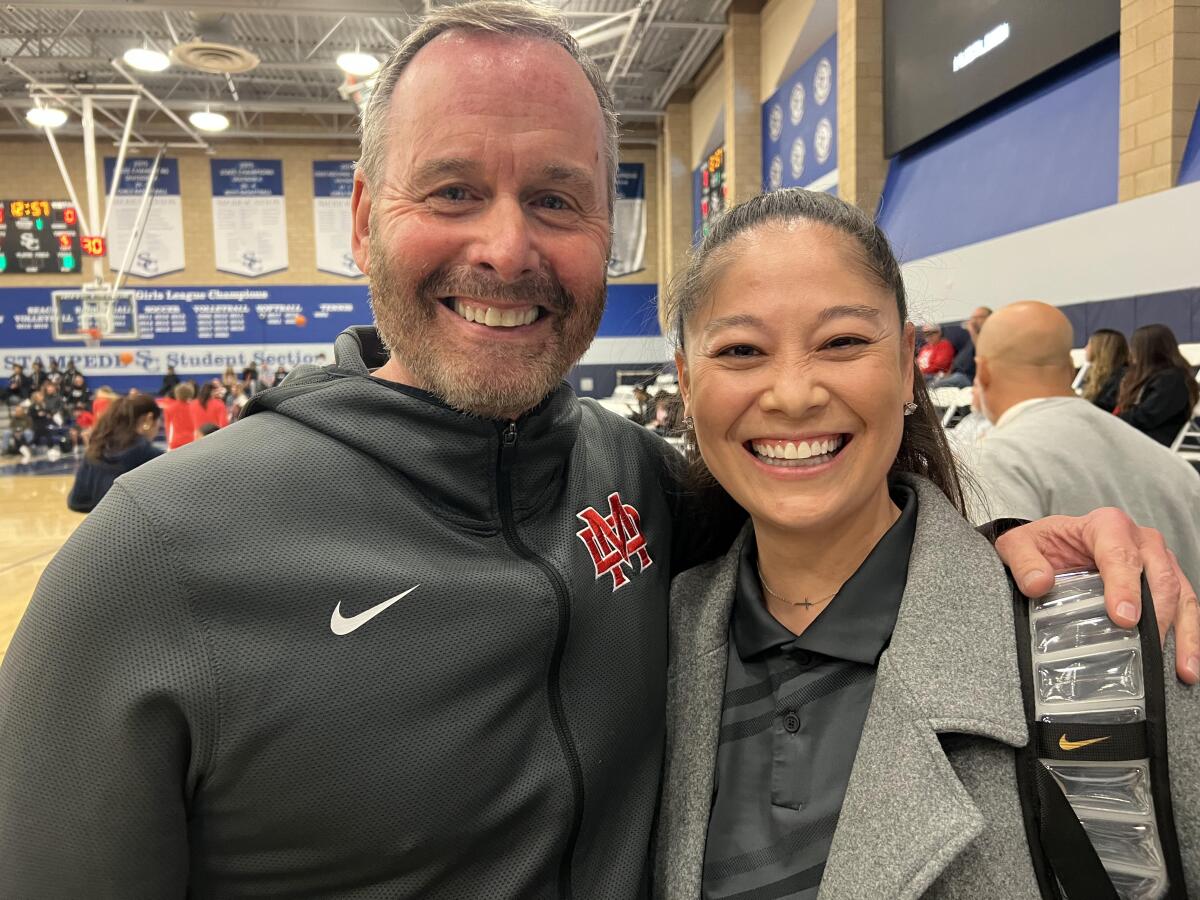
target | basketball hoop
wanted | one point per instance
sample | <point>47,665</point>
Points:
<point>91,337</point>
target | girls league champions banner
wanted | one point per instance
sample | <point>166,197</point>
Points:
<point>629,221</point>
<point>333,185</point>
<point>249,219</point>
<point>800,126</point>
<point>160,249</point>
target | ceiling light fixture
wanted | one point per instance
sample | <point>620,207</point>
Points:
<point>45,116</point>
<point>146,59</point>
<point>207,120</point>
<point>355,62</point>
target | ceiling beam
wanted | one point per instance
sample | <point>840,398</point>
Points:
<point>263,7</point>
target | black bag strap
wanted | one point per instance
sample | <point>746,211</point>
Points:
<point>1066,846</point>
<point>1061,851</point>
<point>1064,860</point>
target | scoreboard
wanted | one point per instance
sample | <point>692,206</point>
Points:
<point>38,236</point>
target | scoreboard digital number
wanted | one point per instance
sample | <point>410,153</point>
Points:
<point>39,236</point>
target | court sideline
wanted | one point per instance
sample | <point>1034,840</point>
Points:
<point>34,524</point>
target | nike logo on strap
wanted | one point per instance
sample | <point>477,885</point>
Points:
<point>1075,745</point>
<point>339,624</point>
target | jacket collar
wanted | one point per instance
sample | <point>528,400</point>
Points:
<point>450,458</point>
<point>951,667</point>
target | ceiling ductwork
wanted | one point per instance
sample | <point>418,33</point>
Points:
<point>214,50</point>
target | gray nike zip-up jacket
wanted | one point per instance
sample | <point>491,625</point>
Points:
<point>356,645</point>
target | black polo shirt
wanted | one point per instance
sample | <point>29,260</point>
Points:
<point>793,715</point>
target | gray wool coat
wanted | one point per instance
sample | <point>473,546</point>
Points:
<point>932,808</point>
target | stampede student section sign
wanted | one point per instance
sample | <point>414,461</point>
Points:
<point>249,220</point>
<point>160,249</point>
<point>333,185</point>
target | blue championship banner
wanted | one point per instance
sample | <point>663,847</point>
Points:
<point>333,186</point>
<point>160,249</point>
<point>799,123</point>
<point>249,223</point>
<point>629,221</point>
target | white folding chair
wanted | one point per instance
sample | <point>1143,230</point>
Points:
<point>1187,442</point>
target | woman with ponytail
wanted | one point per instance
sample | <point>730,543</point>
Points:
<point>843,696</point>
<point>119,442</point>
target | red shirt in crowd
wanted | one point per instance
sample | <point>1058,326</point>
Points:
<point>214,413</point>
<point>99,405</point>
<point>179,421</point>
<point>936,358</point>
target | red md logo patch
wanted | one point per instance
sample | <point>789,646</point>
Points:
<point>615,540</point>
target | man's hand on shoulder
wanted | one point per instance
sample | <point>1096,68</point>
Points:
<point>1108,540</point>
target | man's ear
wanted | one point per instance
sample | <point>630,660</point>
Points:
<point>360,217</point>
<point>983,373</point>
<point>685,383</point>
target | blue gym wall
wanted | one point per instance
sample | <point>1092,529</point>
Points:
<point>1041,154</point>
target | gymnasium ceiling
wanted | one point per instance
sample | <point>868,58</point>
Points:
<point>647,48</point>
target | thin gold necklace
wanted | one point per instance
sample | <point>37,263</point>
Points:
<point>806,603</point>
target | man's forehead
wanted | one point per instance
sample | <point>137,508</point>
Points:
<point>470,56</point>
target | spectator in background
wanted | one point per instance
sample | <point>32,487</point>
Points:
<point>77,391</point>
<point>937,355</point>
<point>179,416</point>
<point>18,437</point>
<point>104,396</point>
<point>55,373</point>
<point>1158,393</point>
<point>169,383</point>
<point>209,406</point>
<point>962,370</point>
<point>235,400</point>
<point>280,374</point>
<point>18,385</point>
<point>1052,453</point>
<point>641,404</point>
<point>120,442</point>
<point>54,403</point>
<point>37,375</point>
<point>1107,357</point>
<point>70,372</point>
<point>228,379</point>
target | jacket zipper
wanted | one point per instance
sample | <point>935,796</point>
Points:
<point>508,453</point>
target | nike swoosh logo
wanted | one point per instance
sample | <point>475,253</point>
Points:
<point>339,624</point>
<point>1075,745</point>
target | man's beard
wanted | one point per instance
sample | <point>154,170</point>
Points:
<point>501,382</point>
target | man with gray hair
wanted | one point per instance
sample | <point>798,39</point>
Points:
<point>441,671</point>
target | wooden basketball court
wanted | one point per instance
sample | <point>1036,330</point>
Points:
<point>34,523</point>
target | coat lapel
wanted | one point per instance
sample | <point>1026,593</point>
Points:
<point>951,666</point>
<point>701,605</point>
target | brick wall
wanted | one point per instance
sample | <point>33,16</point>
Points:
<point>862,167</point>
<point>1160,88</point>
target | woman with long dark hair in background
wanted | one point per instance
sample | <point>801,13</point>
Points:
<point>119,443</point>
<point>1159,392</point>
<point>209,405</point>
<point>1108,360</point>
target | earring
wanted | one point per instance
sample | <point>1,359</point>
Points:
<point>910,408</point>
<point>689,423</point>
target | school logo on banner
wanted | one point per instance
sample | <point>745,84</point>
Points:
<point>796,103</point>
<point>614,541</point>
<point>776,124</point>
<point>798,151</point>
<point>822,82</point>
<point>823,140</point>
<point>776,173</point>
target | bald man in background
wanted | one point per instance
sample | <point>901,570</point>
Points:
<point>1050,452</point>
